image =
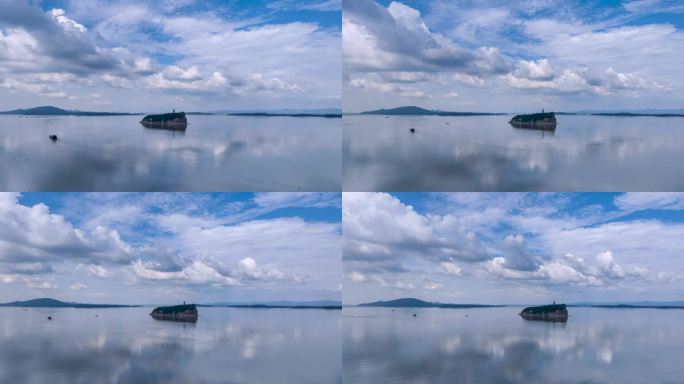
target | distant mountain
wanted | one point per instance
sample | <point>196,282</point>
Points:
<point>317,303</point>
<point>631,304</point>
<point>645,111</point>
<point>54,111</point>
<point>52,303</point>
<point>317,112</point>
<point>266,306</point>
<point>417,303</point>
<point>263,114</point>
<point>631,114</point>
<point>418,111</point>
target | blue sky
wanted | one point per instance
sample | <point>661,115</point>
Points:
<point>495,55</point>
<point>141,56</point>
<point>503,248</point>
<point>151,248</point>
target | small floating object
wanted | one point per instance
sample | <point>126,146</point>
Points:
<point>553,312</point>
<point>53,137</point>
<point>49,317</point>
<point>447,123</point>
<point>466,315</point>
<point>185,312</point>
<point>414,315</point>
<point>412,130</point>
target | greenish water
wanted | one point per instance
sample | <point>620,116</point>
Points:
<point>495,345</point>
<point>215,153</point>
<point>125,345</point>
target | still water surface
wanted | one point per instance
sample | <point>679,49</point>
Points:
<point>215,153</point>
<point>484,153</point>
<point>495,345</point>
<point>128,346</point>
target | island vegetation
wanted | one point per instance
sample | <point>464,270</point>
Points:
<point>552,312</point>
<point>184,312</point>
<point>174,121</point>
<point>544,120</point>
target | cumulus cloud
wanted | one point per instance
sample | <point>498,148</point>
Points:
<point>171,242</point>
<point>489,51</point>
<point>378,227</point>
<point>397,39</point>
<point>504,245</point>
<point>117,48</point>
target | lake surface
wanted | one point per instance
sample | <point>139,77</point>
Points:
<point>495,345</point>
<point>484,153</point>
<point>128,346</point>
<point>215,153</point>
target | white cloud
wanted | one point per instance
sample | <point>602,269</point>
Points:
<point>451,268</point>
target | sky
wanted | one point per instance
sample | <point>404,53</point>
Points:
<point>513,248</point>
<point>142,56</point>
<point>513,56</point>
<point>164,248</point>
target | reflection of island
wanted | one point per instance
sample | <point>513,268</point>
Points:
<point>416,303</point>
<point>185,312</point>
<point>171,121</point>
<point>545,121</point>
<point>553,312</point>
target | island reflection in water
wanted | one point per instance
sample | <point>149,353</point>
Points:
<point>214,153</point>
<point>485,153</point>
<point>495,345</point>
<point>125,345</point>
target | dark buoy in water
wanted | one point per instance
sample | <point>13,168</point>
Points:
<point>53,137</point>
<point>412,130</point>
<point>414,315</point>
<point>49,317</point>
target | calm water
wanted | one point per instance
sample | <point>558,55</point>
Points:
<point>586,153</point>
<point>216,153</point>
<point>495,345</point>
<point>128,346</point>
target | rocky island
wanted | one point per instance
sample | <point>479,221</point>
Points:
<point>185,312</point>
<point>553,312</point>
<point>544,120</point>
<point>173,121</point>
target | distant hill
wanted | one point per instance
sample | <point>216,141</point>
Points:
<point>315,112</point>
<point>282,304</point>
<point>52,303</point>
<point>418,111</point>
<point>632,304</point>
<point>54,111</point>
<point>267,306</point>
<point>264,114</point>
<point>631,114</point>
<point>417,303</point>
